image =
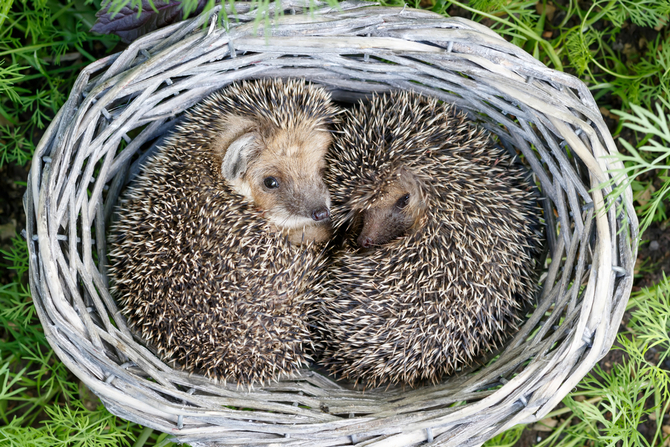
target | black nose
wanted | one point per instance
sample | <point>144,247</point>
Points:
<point>365,242</point>
<point>320,214</point>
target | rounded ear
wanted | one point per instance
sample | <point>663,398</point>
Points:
<point>237,156</point>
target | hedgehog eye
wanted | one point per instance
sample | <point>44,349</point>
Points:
<point>271,183</point>
<point>403,201</point>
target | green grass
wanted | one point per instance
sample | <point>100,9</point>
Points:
<point>43,46</point>
<point>45,43</point>
<point>41,402</point>
<point>646,166</point>
<point>607,407</point>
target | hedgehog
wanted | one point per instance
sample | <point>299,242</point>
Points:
<point>218,240</point>
<point>440,239</point>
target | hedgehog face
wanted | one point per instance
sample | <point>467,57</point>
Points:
<point>281,171</point>
<point>397,208</point>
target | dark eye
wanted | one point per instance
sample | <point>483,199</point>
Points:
<point>271,183</point>
<point>403,201</point>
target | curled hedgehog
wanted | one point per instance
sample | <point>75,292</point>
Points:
<point>442,231</point>
<point>218,239</point>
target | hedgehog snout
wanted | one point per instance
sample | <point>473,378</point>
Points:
<point>374,235</point>
<point>320,214</point>
<point>381,225</point>
<point>310,199</point>
<point>365,241</point>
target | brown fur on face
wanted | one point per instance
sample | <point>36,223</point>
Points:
<point>270,129</point>
<point>295,159</point>
<point>292,160</point>
<point>398,207</point>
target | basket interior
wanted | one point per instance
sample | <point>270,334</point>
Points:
<point>122,107</point>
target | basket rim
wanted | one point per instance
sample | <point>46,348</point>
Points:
<point>554,103</point>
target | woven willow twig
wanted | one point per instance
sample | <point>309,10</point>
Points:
<point>136,96</point>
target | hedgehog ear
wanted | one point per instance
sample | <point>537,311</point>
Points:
<point>235,161</point>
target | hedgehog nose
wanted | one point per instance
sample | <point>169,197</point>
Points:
<point>365,242</point>
<point>320,214</point>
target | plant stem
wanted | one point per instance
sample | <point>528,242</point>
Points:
<point>598,16</point>
<point>564,410</point>
<point>30,48</point>
<point>143,437</point>
<point>529,34</point>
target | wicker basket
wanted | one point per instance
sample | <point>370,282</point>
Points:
<point>120,107</point>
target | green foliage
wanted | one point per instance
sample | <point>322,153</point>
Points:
<point>17,256</point>
<point>17,314</point>
<point>651,78</point>
<point>69,426</point>
<point>650,158</point>
<point>619,406</point>
<point>650,321</point>
<point>647,13</point>
<point>8,77</point>
<point>577,45</point>
<point>16,147</point>
<point>587,46</point>
<point>41,402</point>
<point>637,77</point>
<point>608,406</point>
<point>43,45</point>
<point>506,439</point>
<point>16,306</point>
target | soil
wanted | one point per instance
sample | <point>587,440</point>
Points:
<point>653,259</point>
<point>530,437</point>
<point>12,218</point>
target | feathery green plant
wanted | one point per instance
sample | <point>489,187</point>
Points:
<point>608,406</point>
<point>590,51</point>
<point>40,400</point>
<point>44,44</point>
<point>651,159</point>
<point>650,321</point>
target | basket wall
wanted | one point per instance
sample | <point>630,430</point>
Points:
<point>120,107</point>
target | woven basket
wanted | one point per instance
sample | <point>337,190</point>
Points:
<point>120,107</point>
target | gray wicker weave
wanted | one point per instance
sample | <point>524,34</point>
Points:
<point>120,107</point>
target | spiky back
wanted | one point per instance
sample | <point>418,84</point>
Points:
<point>199,271</point>
<point>275,104</point>
<point>423,305</point>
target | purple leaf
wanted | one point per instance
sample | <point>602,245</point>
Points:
<point>128,25</point>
